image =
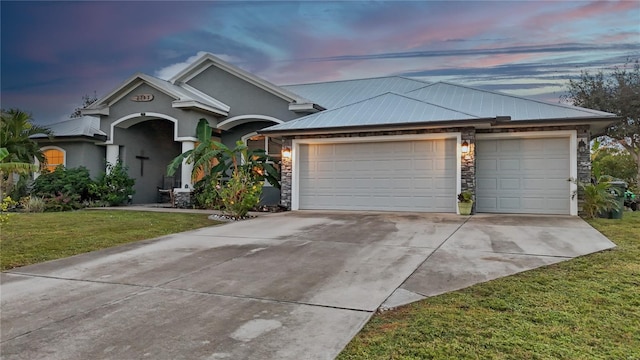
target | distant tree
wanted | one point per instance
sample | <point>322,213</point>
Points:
<point>616,91</point>
<point>86,101</point>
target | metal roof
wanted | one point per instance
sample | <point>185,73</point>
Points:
<point>386,109</point>
<point>334,94</point>
<point>84,126</point>
<point>358,103</point>
<point>484,103</point>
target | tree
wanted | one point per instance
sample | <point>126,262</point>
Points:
<point>9,167</point>
<point>618,92</point>
<point>86,101</point>
<point>16,129</point>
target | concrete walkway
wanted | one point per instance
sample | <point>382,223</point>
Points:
<point>296,285</point>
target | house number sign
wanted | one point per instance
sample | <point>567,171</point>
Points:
<point>142,97</point>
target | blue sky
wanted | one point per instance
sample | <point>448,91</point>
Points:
<point>53,53</point>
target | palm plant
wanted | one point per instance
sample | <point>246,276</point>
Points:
<point>8,167</point>
<point>16,129</point>
<point>598,198</point>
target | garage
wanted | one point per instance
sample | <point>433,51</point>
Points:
<point>523,175</point>
<point>408,175</point>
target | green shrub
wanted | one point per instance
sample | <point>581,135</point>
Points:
<point>62,202</point>
<point>63,181</point>
<point>240,194</point>
<point>205,194</point>
<point>115,187</point>
<point>597,198</point>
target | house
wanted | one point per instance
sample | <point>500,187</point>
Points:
<point>388,143</point>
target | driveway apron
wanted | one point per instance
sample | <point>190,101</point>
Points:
<point>295,285</point>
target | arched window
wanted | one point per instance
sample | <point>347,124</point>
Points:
<point>54,157</point>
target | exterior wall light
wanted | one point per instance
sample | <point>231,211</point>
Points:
<point>465,147</point>
<point>582,146</point>
<point>286,152</point>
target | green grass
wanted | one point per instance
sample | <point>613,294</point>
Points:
<point>586,308</point>
<point>32,238</point>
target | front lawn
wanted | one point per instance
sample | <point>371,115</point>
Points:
<point>586,308</point>
<point>32,238</point>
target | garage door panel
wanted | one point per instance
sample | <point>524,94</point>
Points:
<point>399,176</point>
<point>531,176</point>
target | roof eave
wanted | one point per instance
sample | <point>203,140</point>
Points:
<point>484,122</point>
<point>305,108</point>
<point>192,104</point>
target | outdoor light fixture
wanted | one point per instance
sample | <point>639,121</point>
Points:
<point>286,152</point>
<point>465,147</point>
<point>582,146</point>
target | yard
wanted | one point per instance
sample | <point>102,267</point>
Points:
<point>586,308</point>
<point>36,237</point>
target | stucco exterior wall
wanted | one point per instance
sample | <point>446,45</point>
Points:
<point>161,103</point>
<point>81,153</point>
<point>243,98</point>
<point>153,139</point>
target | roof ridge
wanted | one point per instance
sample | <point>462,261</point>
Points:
<point>359,79</point>
<point>578,108</point>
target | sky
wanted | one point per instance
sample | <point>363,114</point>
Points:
<point>54,52</point>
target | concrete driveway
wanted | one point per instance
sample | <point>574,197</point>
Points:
<point>296,285</point>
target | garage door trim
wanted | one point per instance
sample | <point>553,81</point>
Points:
<point>295,150</point>
<point>573,154</point>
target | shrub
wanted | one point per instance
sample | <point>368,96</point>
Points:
<point>115,187</point>
<point>62,202</point>
<point>597,198</point>
<point>205,194</point>
<point>7,204</point>
<point>72,181</point>
<point>33,204</point>
<point>240,194</point>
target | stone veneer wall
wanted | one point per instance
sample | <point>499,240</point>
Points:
<point>584,163</point>
<point>286,178</point>
<point>468,161</point>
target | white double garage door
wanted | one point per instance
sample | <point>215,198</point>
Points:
<point>513,175</point>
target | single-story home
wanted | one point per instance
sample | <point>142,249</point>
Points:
<point>388,143</point>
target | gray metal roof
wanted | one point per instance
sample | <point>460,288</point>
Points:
<point>385,109</point>
<point>484,103</point>
<point>358,103</point>
<point>84,126</point>
<point>334,94</point>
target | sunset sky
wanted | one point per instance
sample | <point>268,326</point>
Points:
<point>53,53</point>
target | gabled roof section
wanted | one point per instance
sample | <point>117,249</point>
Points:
<point>336,94</point>
<point>183,98</point>
<point>485,103</point>
<point>389,109</point>
<point>86,126</point>
<point>208,59</point>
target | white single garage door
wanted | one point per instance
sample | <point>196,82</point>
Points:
<point>387,176</point>
<point>523,176</point>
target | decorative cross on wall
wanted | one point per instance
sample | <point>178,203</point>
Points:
<point>142,159</point>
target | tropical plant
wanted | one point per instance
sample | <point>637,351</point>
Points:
<point>597,198</point>
<point>214,158</point>
<point>7,168</point>
<point>16,129</point>
<point>6,204</point>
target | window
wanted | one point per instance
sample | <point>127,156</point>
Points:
<point>273,148</point>
<point>54,157</point>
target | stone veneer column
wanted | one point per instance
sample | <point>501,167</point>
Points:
<point>286,176</point>
<point>468,163</point>
<point>113,153</point>
<point>584,162</point>
<point>182,195</point>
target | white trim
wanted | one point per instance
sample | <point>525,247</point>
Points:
<point>243,119</point>
<point>295,148</point>
<point>573,154</point>
<point>50,147</point>
<point>217,102</point>
<point>179,104</point>
<point>148,114</point>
